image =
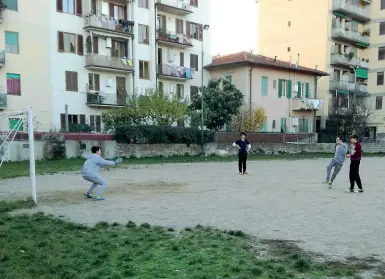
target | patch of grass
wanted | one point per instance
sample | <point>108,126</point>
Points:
<point>40,246</point>
<point>6,206</point>
<point>17,169</point>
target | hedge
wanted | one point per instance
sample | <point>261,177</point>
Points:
<point>161,134</point>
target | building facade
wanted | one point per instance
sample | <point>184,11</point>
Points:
<point>345,38</point>
<point>76,59</point>
<point>287,92</point>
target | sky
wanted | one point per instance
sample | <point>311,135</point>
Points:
<point>234,27</point>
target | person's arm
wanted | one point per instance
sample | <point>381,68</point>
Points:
<point>101,162</point>
<point>236,143</point>
<point>248,145</point>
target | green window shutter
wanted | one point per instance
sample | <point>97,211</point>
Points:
<point>289,87</point>
<point>307,94</point>
<point>264,86</point>
<point>280,88</point>
<point>299,90</point>
<point>11,38</point>
<point>11,4</point>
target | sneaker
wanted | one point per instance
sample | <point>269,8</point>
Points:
<point>325,182</point>
<point>97,198</point>
<point>241,173</point>
<point>245,172</point>
<point>360,191</point>
<point>351,191</point>
<point>89,195</point>
<point>330,184</point>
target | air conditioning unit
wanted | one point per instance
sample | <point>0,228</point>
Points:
<point>294,121</point>
<point>295,88</point>
<point>108,43</point>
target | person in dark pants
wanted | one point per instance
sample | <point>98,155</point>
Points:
<point>355,159</point>
<point>244,146</point>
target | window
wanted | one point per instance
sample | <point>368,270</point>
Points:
<point>382,28</point>
<point>194,3</point>
<point>194,30</point>
<point>68,42</point>
<point>95,45</point>
<point>265,85</point>
<point>143,4</point>
<point>71,81</point>
<point>69,7</point>
<point>381,53</point>
<point>289,23</point>
<point>94,82</point>
<point>379,103</point>
<point>119,49</point>
<point>96,123</point>
<point>181,59</point>
<point>380,78</point>
<point>193,92</point>
<point>283,125</point>
<point>11,4</point>
<point>273,125</point>
<point>180,91</point>
<point>16,124</point>
<point>144,69</point>
<point>13,84</point>
<point>11,42</point>
<point>179,26</point>
<point>194,61</point>
<point>161,86</point>
<point>229,78</point>
<point>144,35</point>
<point>282,88</point>
<point>382,4</point>
<point>73,119</point>
<point>274,84</point>
<point>288,49</point>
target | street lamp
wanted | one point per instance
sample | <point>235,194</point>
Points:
<point>206,27</point>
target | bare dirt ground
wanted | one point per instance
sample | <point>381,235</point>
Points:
<point>277,200</point>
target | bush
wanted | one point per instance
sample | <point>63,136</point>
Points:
<point>161,134</point>
<point>80,128</point>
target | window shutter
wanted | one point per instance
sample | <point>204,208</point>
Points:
<point>82,119</point>
<point>60,37</point>
<point>200,30</point>
<point>112,10</point>
<point>125,12</point>
<point>97,82</point>
<point>289,89</point>
<point>75,81</point>
<point>80,45</point>
<point>280,88</point>
<point>164,23</point>
<point>299,90</point>
<point>93,7</point>
<point>59,5</point>
<point>79,8</point>
<point>96,45</point>
<point>188,29</point>
<point>307,95</point>
<point>68,81</point>
<point>181,59</point>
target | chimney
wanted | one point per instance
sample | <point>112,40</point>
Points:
<point>275,59</point>
<point>297,61</point>
<point>316,67</point>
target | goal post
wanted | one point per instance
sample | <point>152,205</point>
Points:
<point>23,122</point>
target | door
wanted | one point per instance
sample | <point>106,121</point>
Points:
<point>121,92</point>
<point>160,60</point>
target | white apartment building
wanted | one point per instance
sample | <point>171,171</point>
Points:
<point>89,55</point>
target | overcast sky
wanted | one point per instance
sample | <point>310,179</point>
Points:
<point>234,26</point>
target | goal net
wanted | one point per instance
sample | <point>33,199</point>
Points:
<point>13,123</point>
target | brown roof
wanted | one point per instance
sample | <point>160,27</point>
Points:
<point>246,58</point>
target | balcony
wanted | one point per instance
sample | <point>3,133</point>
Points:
<point>348,87</point>
<point>2,8</point>
<point>306,104</point>
<point>347,60</point>
<point>108,63</point>
<point>350,36</point>
<point>174,7</point>
<point>122,28</point>
<point>2,58</point>
<point>173,40</point>
<point>3,101</point>
<point>350,10</point>
<point>97,99</point>
<point>174,72</point>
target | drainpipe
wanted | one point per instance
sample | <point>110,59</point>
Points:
<point>133,46</point>
<point>316,78</point>
<point>156,48</point>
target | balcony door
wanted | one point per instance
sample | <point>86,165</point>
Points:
<point>121,92</point>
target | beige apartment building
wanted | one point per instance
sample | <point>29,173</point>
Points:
<point>287,92</point>
<point>345,38</point>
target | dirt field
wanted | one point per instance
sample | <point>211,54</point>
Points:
<point>278,200</point>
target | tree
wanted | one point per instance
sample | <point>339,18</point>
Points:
<point>243,123</point>
<point>154,108</point>
<point>221,101</point>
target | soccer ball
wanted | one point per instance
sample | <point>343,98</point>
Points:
<point>222,153</point>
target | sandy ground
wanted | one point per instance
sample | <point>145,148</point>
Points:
<point>277,200</point>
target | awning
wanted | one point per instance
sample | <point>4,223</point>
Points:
<point>343,92</point>
<point>362,44</point>
<point>362,73</point>
<point>339,14</point>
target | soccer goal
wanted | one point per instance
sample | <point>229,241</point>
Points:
<point>18,122</point>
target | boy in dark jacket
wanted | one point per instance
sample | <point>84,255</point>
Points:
<point>355,159</point>
<point>244,146</point>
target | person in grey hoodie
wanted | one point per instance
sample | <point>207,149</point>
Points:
<point>337,162</point>
<point>90,172</point>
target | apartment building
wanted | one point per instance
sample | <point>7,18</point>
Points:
<point>342,37</point>
<point>287,92</point>
<point>85,57</point>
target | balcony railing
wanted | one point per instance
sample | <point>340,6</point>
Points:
<point>344,59</point>
<point>177,72</point>
<point>174,6</point>
<point>103,23</point>
<point>172,38</point>
<point>349,35</point>
<point>2,58</point>
<point>354,11</point>
<point>307,104</point>
<point>3,101</point>
<point>106,99</point>
<point>349,87</point>
<point>108,63</point>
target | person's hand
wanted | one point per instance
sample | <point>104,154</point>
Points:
<point>119,161</point>
<point>347,155</point>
